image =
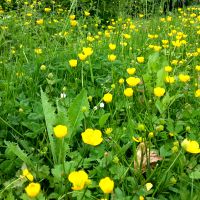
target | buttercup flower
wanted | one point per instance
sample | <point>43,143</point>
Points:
<point>27,174</point>
<point>197,68</point>
<point>79,179</point>
<point>140,59</point>
<point>112,57</point>
<point>168,68</point>
<point>47,10</point>
<point>131,70</point>
<point>112,46</point>
<point>121,81</point>
<point>106,185</point>
<point>191,146</point>
<point>149,186</point>
<point>133,81</point>
<point>107,97</point>
<point>197,93</point>
<point>159,92</point>
<point>73,63</point>
<point>87,51</point>
<point>169,79</point>
<point>73,23</point>
<point>39,21</point>
<point>92,137</point>
<point>128,92</point>
<point>38,51</point>
<point>60,131</point>
<point>72,17</point>
<point>33,189</point>
<point>82,56</point>
<point>108,131</point>
<point>184,78</point>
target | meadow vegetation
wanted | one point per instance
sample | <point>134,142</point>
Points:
<point>98,108</point>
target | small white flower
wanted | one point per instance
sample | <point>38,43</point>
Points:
<point>62,95</point>
<point>101,105</point>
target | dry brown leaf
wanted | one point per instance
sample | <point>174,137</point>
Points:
<point>143,156</point>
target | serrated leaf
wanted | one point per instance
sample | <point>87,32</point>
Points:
<point>50,118</point>
<point>103,119</point>
<point>57,172</point>
<point>18,152</point>
<point>75,113</point>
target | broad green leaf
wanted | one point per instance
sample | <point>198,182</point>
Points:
<point>195,175</point>
<point>161,74</point>
<point>153,62</point>
<point>75,112</point>
<point>50,118</point>
<point>103,119</point>
<point>18,152</point>
<point>159,106</point>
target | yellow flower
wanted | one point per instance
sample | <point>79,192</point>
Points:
<point>112,46</point>
<point>107,97</point>
<point>131,70</point>
<point>47,10</point>
<point>133,81</point>
<point>87,51</point>
<point>27,174</point>
<point>73,63</point>
<point>79,179</point>
<point>140,59</point>
<point>128,92</point>
<point>29,14</point>
<point>191,146</point>
<point>121,81</point>
<point>108,131</point>
<point>169,18</point>
<point>38,51</point>
<point>106,185</point>
<point>60,131</point>
<point>159,92</point>
<point>73,23</point>
<point>197,68</point>
<point>169,79</point>
<point>139,139</point>
<point>90,38</point>
<point>86,13</point>
<point>39,21</point>
<point>165,42</point>
<point>174,62</point>
<point>72,17</point>
<point>184,78</point>
<point>82,56</point>
<point>176,43</point>
<point>112,57</point>
<point>33,189</point>
<point>127,36</point>
<point>197,93</point>
<point>168,68</point>
<point>141,15</point>
<point>141,198</point>
<point>92,137</point>
<point>149,186</point>
<point>157,48</point>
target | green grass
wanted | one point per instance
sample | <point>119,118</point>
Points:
<point>41,91</point>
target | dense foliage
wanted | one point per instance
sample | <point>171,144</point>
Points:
<point>98,110</point>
